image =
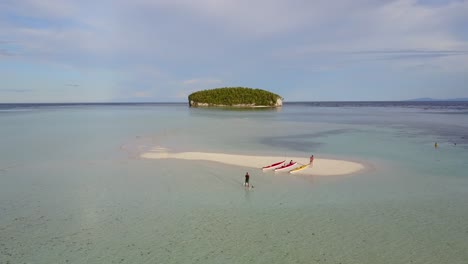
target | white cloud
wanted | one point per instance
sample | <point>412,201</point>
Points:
<point>202,81</point>
<point>183,94</point>
<point>398,31</point>
<point>230,38</point>
<point>50,9</point>
<point>141,94</point>
<point>254,18</point>
<point>127,29</point>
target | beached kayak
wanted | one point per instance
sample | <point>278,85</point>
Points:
<point>299,168</point>
<point>273,166</point>
<point>286,167</point>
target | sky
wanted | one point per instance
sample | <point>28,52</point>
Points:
<point>163,50</point>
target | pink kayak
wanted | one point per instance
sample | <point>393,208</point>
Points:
<point>286,167</point>
<point>273,166</point>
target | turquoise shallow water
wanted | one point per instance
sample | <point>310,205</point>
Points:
<point>73,190</point>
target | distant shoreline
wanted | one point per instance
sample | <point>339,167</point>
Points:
<point>445,105</point>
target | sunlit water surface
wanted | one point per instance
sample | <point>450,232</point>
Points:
<point>74,190</point>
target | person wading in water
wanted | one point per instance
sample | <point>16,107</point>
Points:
<point>247,178</point>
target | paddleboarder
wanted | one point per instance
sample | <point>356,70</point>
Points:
<point>247,178</point>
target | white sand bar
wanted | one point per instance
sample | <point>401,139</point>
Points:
<point>321,167</point>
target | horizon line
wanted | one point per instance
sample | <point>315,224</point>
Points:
<point>286,102</point>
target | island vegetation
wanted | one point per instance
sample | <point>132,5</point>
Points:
<point>235,97</point>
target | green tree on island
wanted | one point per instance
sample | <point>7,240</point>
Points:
<point>235,96</point>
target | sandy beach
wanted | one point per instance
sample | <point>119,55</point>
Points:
<point>320,167</point>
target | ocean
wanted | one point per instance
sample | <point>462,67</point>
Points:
<point>73,188</point>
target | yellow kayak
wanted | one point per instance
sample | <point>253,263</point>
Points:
<point>299,168</point>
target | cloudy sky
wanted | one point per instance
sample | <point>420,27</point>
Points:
<point>162,50</point>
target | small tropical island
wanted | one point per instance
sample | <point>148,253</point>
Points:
<point>242,97</point>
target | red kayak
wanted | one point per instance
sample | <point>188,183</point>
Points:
<point>273,166</point>
<point>286,167</point>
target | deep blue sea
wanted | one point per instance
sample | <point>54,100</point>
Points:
<point>73,188</point>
